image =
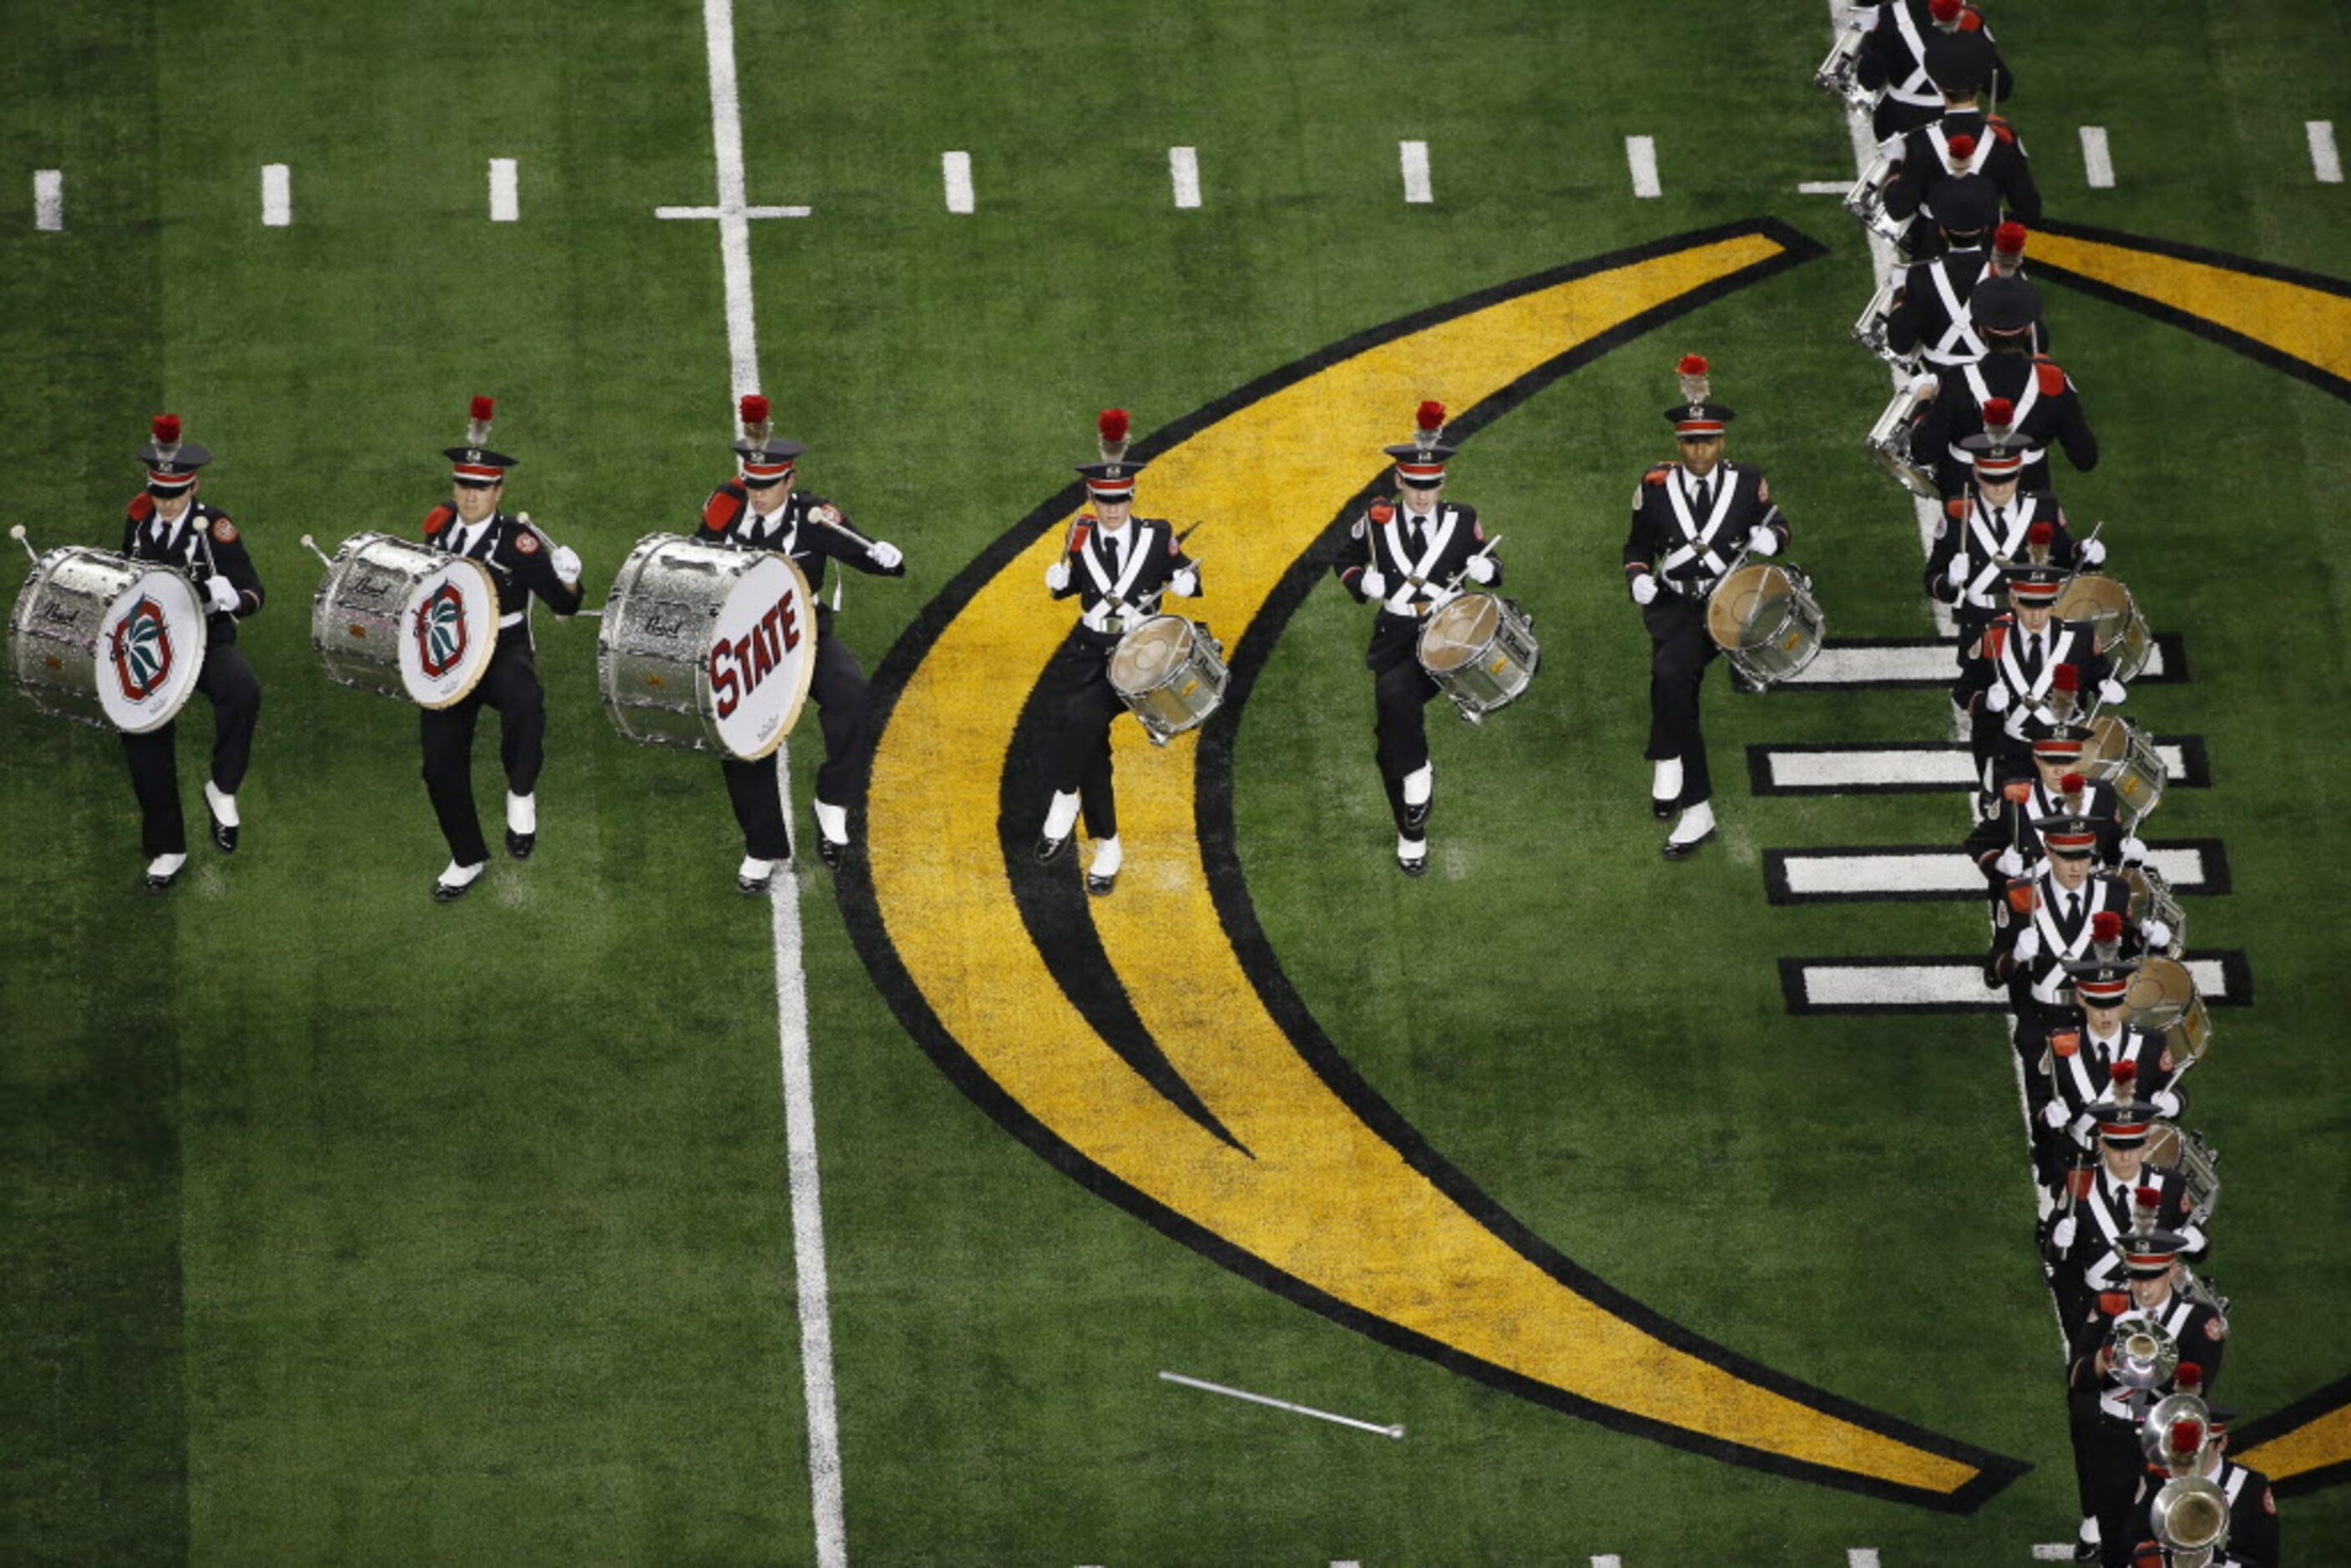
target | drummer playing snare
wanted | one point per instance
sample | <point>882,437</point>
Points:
<point>1691,519</point>
<point>1119,566</point>
<point>1414,550</point>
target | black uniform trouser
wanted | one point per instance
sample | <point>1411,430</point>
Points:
<point>510,685</point>
<point>1680,651</point>
<point>837,686</point>
<point>757,797</point>
<point>1401,693</point>
<point>227,681</point>
<point>1081,755</point>
<point>2053,1151</point>
<point>2107,1464</point>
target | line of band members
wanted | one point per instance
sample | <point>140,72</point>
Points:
<point>2081,928</point>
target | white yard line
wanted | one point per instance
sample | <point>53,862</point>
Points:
<point>2054,1552</point>
<point>1943,983</point>
<point>2326,162</point>
<point>1824,187</point>
<point>954,169</point>
<point>1641,157</point>
<point>1860,1557</point>
<point>1183,174</point>
<point>1608,1560</point>
<point>1905,664</point>
<point>1897,872</point>
<point>1413,158</point>
<point>49,200</point>
<point>1862,767</point>
<point>2097,159</point>
<point>811,1290</point>
<point>506,184</point>
<point>276,196</point>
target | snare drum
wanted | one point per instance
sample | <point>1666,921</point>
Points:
<point>2120,752</point>
<point>2163,998</point>
<point>2115,621</point>
<point>107,641</point>
<point>706,648</point>
<point>1171,672</point>
<point>1480,649</point>
<point>1763,617</point>
<point>2151,898</point>
<point>398,619</point>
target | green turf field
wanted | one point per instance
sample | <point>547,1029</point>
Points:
<point>341,1225</point>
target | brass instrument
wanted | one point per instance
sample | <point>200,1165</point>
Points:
<point>1869,332</point>
<point>1889,443</point>
<point>2141,1352</point>
<point>1839,74</point>
<point>2190,1516</point>
<point>2154,1432</point>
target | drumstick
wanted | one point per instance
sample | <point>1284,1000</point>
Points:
<point>17,532</point>
<point>312,546</point>
<point>1457,576</point>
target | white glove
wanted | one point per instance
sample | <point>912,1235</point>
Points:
<point>1644,588</point>
<point>2094,552</point>
<point>1763,541</point>
<point>1373,583</point>
<point>2028,945</point>
<point>1480,568</point>
<point>1057,576</point>
<point>1996,698</point>
<point>2156,933</point>
<point>1958,573</point>
<point>885,555</point>
<point>2112,691</point>
<point>223,593</point>
<point>2053,1116</point>
<point>1185,584</point>
<point>2010,864</point>
<point>2133,852</point>
<point>567,563</point>
<point>1925,388</point>
<point>2061,1234</point>
<point>2166,1103</point>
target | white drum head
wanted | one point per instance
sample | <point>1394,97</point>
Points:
<point>762,656</point>
<point>449,630</point>
<point>150,650</point>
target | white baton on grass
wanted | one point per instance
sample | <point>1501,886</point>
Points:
<point>1396,1432</point>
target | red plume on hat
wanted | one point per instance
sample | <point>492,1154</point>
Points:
<point>166,427</point>
<point>2070,784</point>
<point>2066,677</point>
<point>2148,1198</point>
<point>2105,927</point>
<point>2188,1437</point>
<point>1110,433</point>
<point>2037,541</point>
<point>477,427</point>
<point>1692,372</point>
<point>2189,1376</point>
<point>2125,1074</point>
<point>1946,12</point>
<point>755,413</point>
<point>1963,147</point>
<point>2007,245</point>
<point>1999,417</point>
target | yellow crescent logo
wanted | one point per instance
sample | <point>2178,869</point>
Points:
<point>1154,1052</point>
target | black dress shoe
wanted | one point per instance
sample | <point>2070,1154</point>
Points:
<point>450,893</point>
<point>1662,810</point>
<point>519,845</point>
<point>223,836</point>
<point>754,886</point>
<point>1412,868</point>
<point>160,882</point>
<point>1683,849</point>
<point>1047,848</point>
<point>1100,886</point>
<point>831,853</point>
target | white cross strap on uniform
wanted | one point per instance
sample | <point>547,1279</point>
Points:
<point>1980,390</point>
<point>1411,590</point>
<point>1918,89</point>
<point>1976,159</point>
<point>1960,344</point>
<point>1699,543</point>
<point>2031,696</point>
<point>1995,546</point>
<point>1112,604</point>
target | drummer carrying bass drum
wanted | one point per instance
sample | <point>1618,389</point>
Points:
<point>1691,520</point>
<point>1119,567</point>
<point>168,524</point>
<point>1416,553</point>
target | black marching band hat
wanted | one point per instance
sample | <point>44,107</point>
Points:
<point>2070,836</point>
<point>766,458</point>
<point>473,464</point>
<point>1965,206</point>
<point>1998,452</point>
<point>1959,63</point>
<point>2127,1121</point>
<point>2061,743</point>
<point>1420,461</point>
<point>171,463</point>
<point>2146,1251</point>
<point>1695,418</point>
<point>2035,581</point>
<point>1113,478</point>
<point>2004,307</point>
<point>2102,982</point>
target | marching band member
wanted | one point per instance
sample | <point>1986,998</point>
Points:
<point>1691,519</point>
<point>1894,58</point>
<point>1416,550</point>
<point>2013,394</point>
<point>2004,844</point>
<point>1119,566</point>
<point>2098,1058</point>
<point>763,507</point>
<point>2028,673</point>
<point>1929,314</point>
<point>166,523</point>
<point>523,562</point>
<point>2083,1235</point>
<point>1981,533</point>
<point>2253,1503</point>
<point>1966,138</point>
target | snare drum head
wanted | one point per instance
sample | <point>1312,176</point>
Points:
<point>2110,741</point>
<point>762,656</point>
<point>1145,656</point>
<point>150,650</point>
<point>2159,992</point>
<point>1755,595</point>
<point>449,630</point>
<point>1459,632</point>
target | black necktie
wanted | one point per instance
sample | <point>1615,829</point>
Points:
<point>2072,908</point>
<point>2031,663</point>
<point>1705,499</point>
<point>1110,548</point>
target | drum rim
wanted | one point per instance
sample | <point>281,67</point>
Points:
<point>1493,605</point>
<point>201,639</point>
<point>1191,641</point>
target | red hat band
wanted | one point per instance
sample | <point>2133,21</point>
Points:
<point>487,473</point>
<point>1421,470</point>
<point>1991,465</point>
<point>765,470</point>
<point>2071,843</point>
<point>1688,427</point>
<point>1111,489</point>
<point>166,479</point>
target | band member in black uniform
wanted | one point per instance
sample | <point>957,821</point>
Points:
<point>523,561</point>
<point>1691,519</point>
<point>2028,673</point>
<point>1408,554</point>
<point>1999,522</point>
<point>1119,567</point>
<point>1894,56</point>
<point>763,508</point>
<point>2252,1504</point>
<point>2013,393</point>
<point>1966,138</point>
<point>2095,1218</point>
<point>2004,844</point>
<point>2098,1058</point>
<point>167,523</point>
<point>1929,314</point>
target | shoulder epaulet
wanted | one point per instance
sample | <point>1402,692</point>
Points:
<point>526,542</point>
<point>2052,376</point>
<point>2111,1302</point>
<point>224,530</point>
<point>439,517</point>
<point>2065,1042</point>
<point>1971,20</point>
<point>1079,531</point>
<point>2002,129</point>
<point>1656,475</point>
<point>1381,510</point>
<point>142,507</point>
<point>723,507</point>
<point>1956,508</point>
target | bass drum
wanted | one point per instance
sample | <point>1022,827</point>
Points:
<point>1481,648</point>
<point>107,641</point>
<point>706,648</point>
<point>395,618</point>
<point>1171,673</point>
<point>2115,621</point>
<point>1765,621</point>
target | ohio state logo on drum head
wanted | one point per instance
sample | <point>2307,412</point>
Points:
<point>151,652</point>
<point>449,631</point>
<point>762,656</point>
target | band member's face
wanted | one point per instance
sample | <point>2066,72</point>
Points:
<point>765,501</point>
<point>2071,871</point>
<point>2124,1162</point>
<point>2033,617</point>
<point>2053,768</point>
<point>476,505</point>
<point>1418,495</point>
<point>2106,1020</point>
<point>2152,1291</point>
<point>1113,513</point>
<point>1998,492</point>
<point>1701,453</point>
<point>172,508</point>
